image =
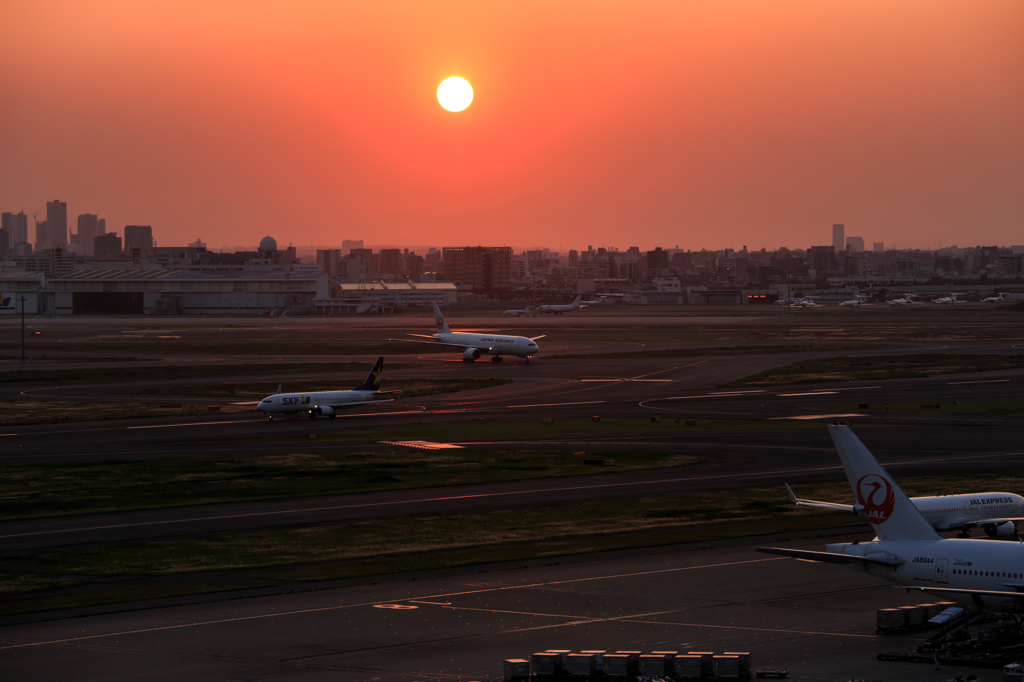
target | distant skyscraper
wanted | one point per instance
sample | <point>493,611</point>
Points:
<point>16,225</point>
<point>107,245</point>
<point>329,261</point>
<point>89,227</point>
<point>480,268</point>
<point>855,244</point>
<point>838,242</point>
<point>878,247</point>
<point>53,233</point>
<point>138,240</point>
<point>348,244</point>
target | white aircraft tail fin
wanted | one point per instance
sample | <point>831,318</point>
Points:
<point>442,326</point>
<point>889,511</point>
<point>579,297</point>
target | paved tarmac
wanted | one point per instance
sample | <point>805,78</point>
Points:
<point>817,621</point>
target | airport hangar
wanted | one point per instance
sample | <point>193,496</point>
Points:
<point>209,292</point>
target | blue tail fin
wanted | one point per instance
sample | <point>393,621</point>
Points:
<point>372,382</point>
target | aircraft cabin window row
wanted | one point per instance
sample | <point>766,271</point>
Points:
<point>992,574</point>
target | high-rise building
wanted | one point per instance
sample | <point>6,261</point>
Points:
<point>53,233</point>
<point>90,226</point>
<point>347,245</point>
<point>16,225</point>
<point>138,240</point>
<point>878,247</point>
<point>855,244</point>
<point>329,261</point>
<point>107,245</point>
<point>838,242</point>
<point>481,268</point>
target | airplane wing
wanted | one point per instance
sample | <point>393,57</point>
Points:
<point>824,505</point>
<point>971,522</point>
<point>339,406</point>
<point>976,595</point>
<point>435,342</point>
<point>831,557</point>
<point>534,338</point>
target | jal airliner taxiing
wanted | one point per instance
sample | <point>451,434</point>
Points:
<point>995,513</point>
<point>327,403</point>
<point>908,551</point>
<point>474,345</point>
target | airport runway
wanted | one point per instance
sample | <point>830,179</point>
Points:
<point>815,620</point>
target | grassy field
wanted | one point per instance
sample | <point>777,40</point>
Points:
<point>876,368</point>
<point>63,489</point>
<point>67,579</point>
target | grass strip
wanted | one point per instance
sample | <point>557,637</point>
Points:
<point>878,368</point>
<point>70,488</point>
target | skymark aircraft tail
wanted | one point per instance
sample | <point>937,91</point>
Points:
<point>372,382</point>
<point>889,511</point>
<point>442,326</point>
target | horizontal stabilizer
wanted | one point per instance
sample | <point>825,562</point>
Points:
<point>831,557</point>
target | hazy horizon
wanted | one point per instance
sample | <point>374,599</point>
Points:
<point>699,124</point>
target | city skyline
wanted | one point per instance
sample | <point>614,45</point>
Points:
<point>698,125</point>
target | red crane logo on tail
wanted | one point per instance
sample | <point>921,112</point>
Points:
<point>439,321</point>
<point>877,496</point>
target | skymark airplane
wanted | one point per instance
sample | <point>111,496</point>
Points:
<point>995,513</point>
<point>908,551</point>
<point>475,345</point>
<point>327,403</point>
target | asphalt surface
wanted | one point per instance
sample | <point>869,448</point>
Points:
<point>816,620</point>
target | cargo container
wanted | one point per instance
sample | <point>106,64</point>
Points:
<point>890,620</point>
<point>580,665</point>
<point>726,667</point>
<point>546,664</point>
<point>517,669</point>
<point>689,666</point>
<point>744,658</point>
<point>615,666</point>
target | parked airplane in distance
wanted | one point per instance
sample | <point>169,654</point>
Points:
<point>598,301</point>
<point>524,312</point>
<point>995,513</point>
<point>559,309</point>
<point>475,345</point>
<point>998,298</point>
<point>327,403</point>
<point>946,300</point>
<point>853,302</point>
<point>908,551</point>
<point>903,301</point>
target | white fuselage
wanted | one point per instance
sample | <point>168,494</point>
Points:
<point>951,512</point>
<point>948,563</point>
<point>490,344</point>
<point>298,403</point>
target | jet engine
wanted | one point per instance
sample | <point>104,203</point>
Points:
<point>1001,530</point>
<point>471,354</point>
<point>324,410</point>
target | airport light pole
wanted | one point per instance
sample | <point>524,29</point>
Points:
<point>22,299</point>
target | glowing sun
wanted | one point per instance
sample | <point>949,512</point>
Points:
<point>455,93</point>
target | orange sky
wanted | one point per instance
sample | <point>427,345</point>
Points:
<point>702,124</point>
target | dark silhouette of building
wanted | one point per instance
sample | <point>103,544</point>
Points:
<point>483,269</point>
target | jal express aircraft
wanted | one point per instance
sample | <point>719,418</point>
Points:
<point>475,345</point>
<point>995,513</point>
<point>908,551</point>
<point>327,403</point>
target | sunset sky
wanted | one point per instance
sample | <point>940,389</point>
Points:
<point>702,124</point>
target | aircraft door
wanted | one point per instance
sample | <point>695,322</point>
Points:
<point>941,566</point>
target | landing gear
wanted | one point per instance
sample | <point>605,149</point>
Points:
<point>312,414</point>
<point>496,358</point>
